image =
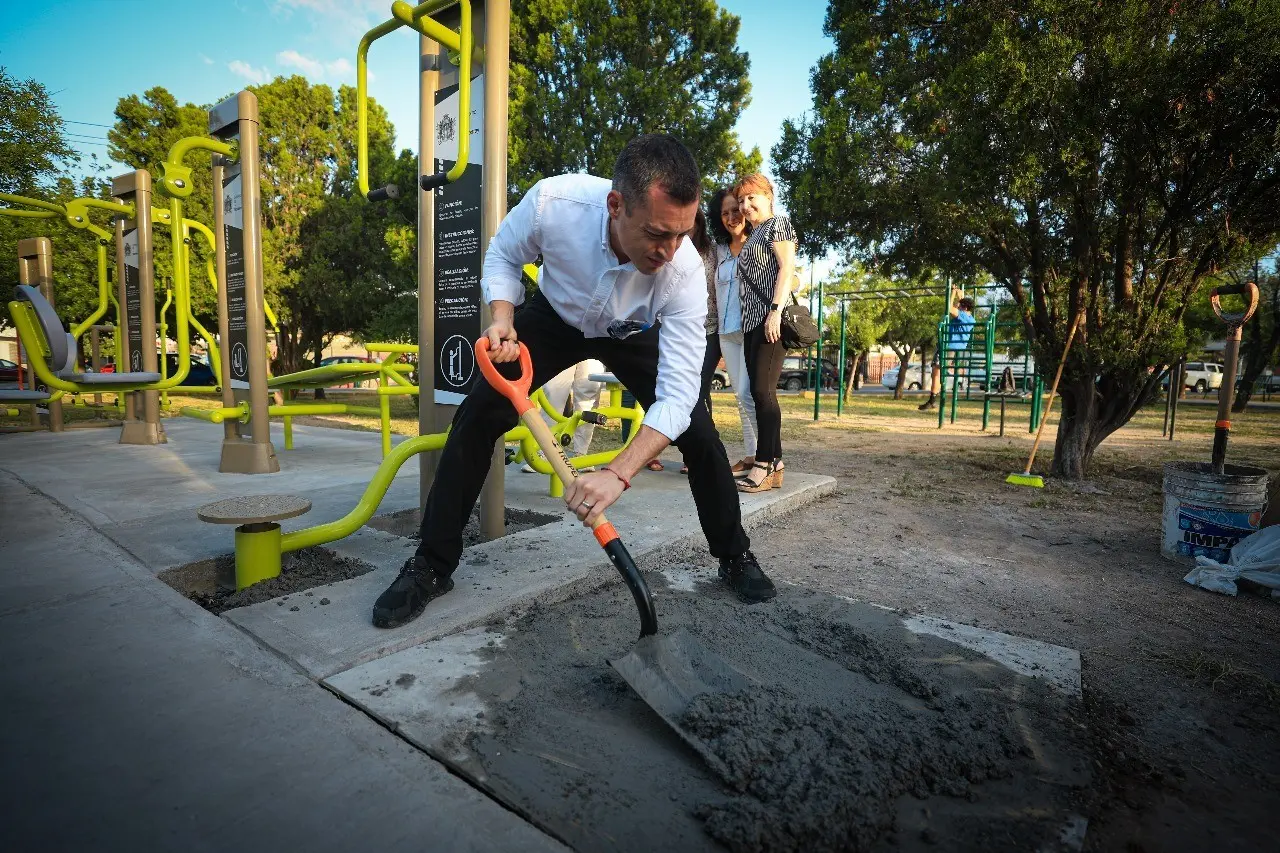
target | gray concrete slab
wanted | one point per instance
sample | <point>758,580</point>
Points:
<point>544,565</point>
<point>134,720</point>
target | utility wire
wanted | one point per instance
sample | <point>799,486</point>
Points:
<point>87,123</point>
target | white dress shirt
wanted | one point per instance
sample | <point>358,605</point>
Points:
<point>566,220</point>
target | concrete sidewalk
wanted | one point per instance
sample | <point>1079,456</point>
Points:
<point>137,721</point>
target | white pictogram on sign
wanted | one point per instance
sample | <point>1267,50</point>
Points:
<point>239,360</point>
<point>457,361</point>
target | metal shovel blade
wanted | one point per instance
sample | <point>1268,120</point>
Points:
<point>669,672</point>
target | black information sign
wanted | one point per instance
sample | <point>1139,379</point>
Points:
<point>133,299</point>
<point>459,254</point>
<point>237,342</point>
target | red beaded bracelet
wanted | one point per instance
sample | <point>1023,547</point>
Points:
<point>626,484</point>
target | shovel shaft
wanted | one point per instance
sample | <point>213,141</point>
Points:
<point>517,391</point>
<point>1235,322</point>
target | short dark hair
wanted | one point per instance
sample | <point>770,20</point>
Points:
<point>656,158</point>
<point>966,304</point>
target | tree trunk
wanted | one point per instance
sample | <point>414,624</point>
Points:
<point>1256,358</point>
<point>318,348</point>
<point>1080,430</point>
<point>904,364</point>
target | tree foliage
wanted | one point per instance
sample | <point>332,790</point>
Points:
<point>588,75</point>
<point>327,264</point>
<point>33,145</point>
<point>1097,160</point>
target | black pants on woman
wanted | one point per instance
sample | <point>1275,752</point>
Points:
<point>764,366</point>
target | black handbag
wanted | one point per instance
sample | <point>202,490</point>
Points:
<point>798,329</point>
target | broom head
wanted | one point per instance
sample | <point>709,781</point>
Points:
<point>1035,481</point>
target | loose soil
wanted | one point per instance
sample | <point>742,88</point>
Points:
<point>406,523</point>
<point>852,734</point>
<point>1181,686</point>
<point>300,571</point>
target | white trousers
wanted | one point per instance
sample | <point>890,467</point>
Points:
<point>735,362</point>
<point>586,395</point>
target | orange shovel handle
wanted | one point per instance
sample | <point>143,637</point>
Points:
<point>515,390</point>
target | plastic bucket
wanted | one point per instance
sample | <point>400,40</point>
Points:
<point>1208,513</point>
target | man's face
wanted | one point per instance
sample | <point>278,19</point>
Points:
<point>651,232</point>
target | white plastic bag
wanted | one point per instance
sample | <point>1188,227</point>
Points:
<point>1255,558</point>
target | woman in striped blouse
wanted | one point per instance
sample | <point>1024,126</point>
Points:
<point>766,266</point>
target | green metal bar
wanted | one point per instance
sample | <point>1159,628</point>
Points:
<point>164,344</point>
<point>29,214</point>
<point>817,362</point>
<point>840,395</point>
<point>104,292</point>
<point>942,373</point>
<point>217,416</point>
<point>369,501</point>
<point>33,202</point>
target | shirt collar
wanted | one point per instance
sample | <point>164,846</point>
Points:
<point>610,257</point>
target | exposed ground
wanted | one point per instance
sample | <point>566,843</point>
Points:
<point>1182,686</point>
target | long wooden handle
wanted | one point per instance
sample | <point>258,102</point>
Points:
<point>555,455</point>
<point>1053,389</point>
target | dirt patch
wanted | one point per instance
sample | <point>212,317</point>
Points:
<point>1180,685</point>
<point>857,734</point>
<point>406,523</point>
<point>300,571</point>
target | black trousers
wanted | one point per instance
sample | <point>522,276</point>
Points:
<point>485,415</point>
<point>709,362</point>
<point>764,367</point>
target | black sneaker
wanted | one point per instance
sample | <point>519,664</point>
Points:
<point>927,404</point>
<point>744,575</point>
<point>408,594</point>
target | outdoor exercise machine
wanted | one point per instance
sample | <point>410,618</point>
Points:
<point>977,358</point>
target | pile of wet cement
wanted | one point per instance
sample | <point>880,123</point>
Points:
<point>856,722</point>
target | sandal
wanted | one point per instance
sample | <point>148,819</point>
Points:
<point>684,469</point>
<point>742,467</point>
<point>654,464</point>
<point>764,484</point>
<point>778,469</point>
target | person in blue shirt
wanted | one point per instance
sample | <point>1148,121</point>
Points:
<point>959,331</point>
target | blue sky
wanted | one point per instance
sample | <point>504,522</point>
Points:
<point>68,47</point>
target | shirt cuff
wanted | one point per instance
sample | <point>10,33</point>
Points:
<point>504,289</point>
<point>667,419</point>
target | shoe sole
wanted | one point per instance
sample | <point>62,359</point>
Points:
<point>413,614</point>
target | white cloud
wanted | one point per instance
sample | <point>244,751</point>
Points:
<point>340,67</point>
<point>248,72</point>
<point>293,59</point>
<point>206,60</point>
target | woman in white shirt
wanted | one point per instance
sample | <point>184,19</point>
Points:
<point>729,231</point>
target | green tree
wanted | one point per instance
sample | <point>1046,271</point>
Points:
<point>327,264</point>
<point>33,145</point>
<point>588,75</point>
<point>1260,338</point>
<point>1097,160</point>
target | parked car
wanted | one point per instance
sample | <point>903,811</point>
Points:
<point>720,379</point>
<point>200,375</point>
<point>1203,376</point>
<point>797,373</point>
<point>8,371</point>
<point>344,359</point>
<point>917,379</point>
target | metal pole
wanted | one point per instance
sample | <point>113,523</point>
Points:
<point>243,323</point>
<point>840,396</point>
<point>138,289</point>
<point>35,268</point>
<point>817,362</point>
<point>497,27</point>
<point>429,414</point>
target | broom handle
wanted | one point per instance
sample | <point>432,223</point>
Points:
<point>1053,390</point>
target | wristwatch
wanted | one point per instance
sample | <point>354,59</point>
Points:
<point>773,306</point>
